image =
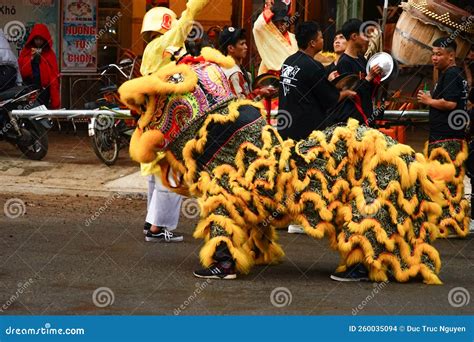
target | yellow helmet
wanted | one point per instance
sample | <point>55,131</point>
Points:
<point>158,19</point>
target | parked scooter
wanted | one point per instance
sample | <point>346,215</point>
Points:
<point>28,134</point>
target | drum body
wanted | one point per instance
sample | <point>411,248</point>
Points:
<point>422,22</point>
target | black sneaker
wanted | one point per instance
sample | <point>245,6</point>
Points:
<point>146,227</point>
<point>216,271</point>
<point>164,235</point>
<point>354,273</point>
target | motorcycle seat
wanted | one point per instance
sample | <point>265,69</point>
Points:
<point>14,92</point>
<point>108,89</point>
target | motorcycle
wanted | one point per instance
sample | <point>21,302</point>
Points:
<point>28,134</point>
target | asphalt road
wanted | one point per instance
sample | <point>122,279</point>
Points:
<point>59,253</point>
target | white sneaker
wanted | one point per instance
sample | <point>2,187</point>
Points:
<point>471,227</point>
<point>295,229</point>
<point>164,235</point>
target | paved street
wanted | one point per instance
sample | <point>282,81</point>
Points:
<point>77,247</point>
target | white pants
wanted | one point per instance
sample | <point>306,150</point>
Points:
<point>163,205</point>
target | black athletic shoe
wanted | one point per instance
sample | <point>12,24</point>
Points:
<point>146,227</point>
<point>355,273</point>
<point>216,271</point>
<point>163,235</point>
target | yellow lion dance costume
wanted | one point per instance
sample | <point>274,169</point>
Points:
<point>377,201</point>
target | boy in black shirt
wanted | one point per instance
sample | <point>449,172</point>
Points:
<point>305,94</point>
<point>352,61</point>
<point>448,120</point>
<point>339,46</point>
<point>449,102</point>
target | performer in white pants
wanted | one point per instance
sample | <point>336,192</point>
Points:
<point>165,36</point>
<point>163,206</point>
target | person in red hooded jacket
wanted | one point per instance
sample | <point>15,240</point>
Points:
<point>38,65</point>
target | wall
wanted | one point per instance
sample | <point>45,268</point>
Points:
<point>216,13</point>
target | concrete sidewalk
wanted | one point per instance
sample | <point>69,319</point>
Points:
<point>70,168</point>
<point>42,178</point>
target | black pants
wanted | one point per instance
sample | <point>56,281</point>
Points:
<point>44,97</point>
<point>222,253</point>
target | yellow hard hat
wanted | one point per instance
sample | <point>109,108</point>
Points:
<point>158,19</point>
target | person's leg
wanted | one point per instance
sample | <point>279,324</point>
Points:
<point>163,214</point>
<point>151,188</point>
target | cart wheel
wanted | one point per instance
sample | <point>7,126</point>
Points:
<point>104,139</point>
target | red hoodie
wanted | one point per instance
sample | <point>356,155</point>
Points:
<point>48,64</point>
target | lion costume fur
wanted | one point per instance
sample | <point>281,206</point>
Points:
<point>377,201</point>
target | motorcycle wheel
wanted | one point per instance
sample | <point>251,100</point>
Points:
<point>105,143</point>
<point>38,149</point>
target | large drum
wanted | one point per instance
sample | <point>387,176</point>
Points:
<point>422,22</point>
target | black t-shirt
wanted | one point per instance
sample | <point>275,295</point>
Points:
<point>447,124</point>
<point>347,108</point>
<point>330,68</point>
<point>305,95</point>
